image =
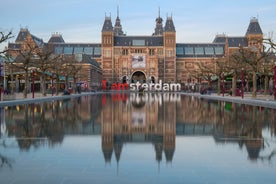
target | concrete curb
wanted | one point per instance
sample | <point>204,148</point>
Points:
<point>43,99</point>
<point>247,101</point>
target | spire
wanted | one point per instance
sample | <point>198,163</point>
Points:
<point>107,26</point>
<point>159,24</point>
<point>118,27</point>
<point>169,27</point>
<point>254,27</point>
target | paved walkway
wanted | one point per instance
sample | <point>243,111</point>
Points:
<point>260,100</point>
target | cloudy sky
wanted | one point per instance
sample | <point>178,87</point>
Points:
<point>80,21</point>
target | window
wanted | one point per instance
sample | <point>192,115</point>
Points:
<point>138,42</point>
<point>199,51</point>
<point>138,51</point>
<point>68,50</point>
<point>209,50</point>
<point>151,52</point>
<point>218,50</point>
<point>125,52</point>
<point>189,50</point>
<point>88,50</point>
<point>58,50</point>
<point>179,51</point>
<point>160,51</point>
<point>107,53</point>
<point>78,50</point>
<point>97,51</point>
<point>169,53</point>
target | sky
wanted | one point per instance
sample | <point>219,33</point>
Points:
<point>81,21</point>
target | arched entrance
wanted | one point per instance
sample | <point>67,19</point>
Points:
<point>138,76</point>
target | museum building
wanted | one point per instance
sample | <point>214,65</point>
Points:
<point>149,58</point>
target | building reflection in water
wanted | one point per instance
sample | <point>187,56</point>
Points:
<point>153,118</point>
<point>139,118</point>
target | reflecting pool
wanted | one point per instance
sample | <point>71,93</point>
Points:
<point>132,138</point>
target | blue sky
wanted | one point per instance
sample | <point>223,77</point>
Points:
<point>80,21</point>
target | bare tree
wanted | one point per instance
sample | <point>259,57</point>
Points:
<point>234,66</point>
<point>45,62</point>
<point>4,37</point>
<point>252,60</point>
<point>67,67</point>
<point>25,61</point>
<point>211,71</point>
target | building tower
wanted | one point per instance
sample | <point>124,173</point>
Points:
<point>159,25</point>
<point>169,36</point>
<point>254,35</point>
<point>107,49</point>
<point>118,27</point>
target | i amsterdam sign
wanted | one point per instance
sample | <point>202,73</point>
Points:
<point>144,86</point>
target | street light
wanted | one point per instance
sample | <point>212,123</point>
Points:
<point>222,77</point>
<point>33,83</point>
<point>275,81</point>
<point>1,77</point>
<point>242,90</point>
<point>52,84</point>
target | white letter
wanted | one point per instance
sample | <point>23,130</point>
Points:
<point>158,86</point>
<point>166,87</point>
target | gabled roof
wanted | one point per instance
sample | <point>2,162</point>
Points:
<point>38,41</point>
<point>22,35</point>
<point>254,27</point>
<point>88,59</point>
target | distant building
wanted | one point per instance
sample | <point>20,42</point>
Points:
<point>150,58</point>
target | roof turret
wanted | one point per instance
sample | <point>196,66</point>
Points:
<point>56,38</point>
<point>169,27</point>
<point>107,26</point>
<point>254,27</point>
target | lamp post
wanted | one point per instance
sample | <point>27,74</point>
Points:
<point>222,77</point>
<point>33,83</point>
<point>52,84</point>
<point>242,90</point>
<point>275,81</point>
<point>1,76</point>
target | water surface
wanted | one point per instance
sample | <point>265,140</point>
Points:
<point>132,138</point>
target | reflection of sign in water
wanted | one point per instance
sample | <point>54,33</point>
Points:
<point>138,61</point>
<point>138,118</point>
